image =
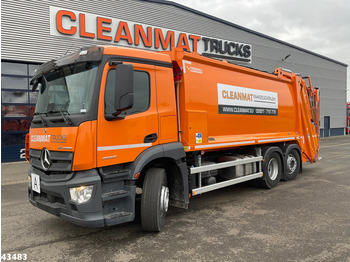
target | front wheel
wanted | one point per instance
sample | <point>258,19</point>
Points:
<point>154,200</point>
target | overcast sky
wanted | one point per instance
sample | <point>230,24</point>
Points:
<point>321,26</point>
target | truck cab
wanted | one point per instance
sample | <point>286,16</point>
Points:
<point>102,115</point>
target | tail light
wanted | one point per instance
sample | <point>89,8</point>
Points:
<point>177,72</point>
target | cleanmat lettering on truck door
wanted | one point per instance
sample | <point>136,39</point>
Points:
<point>246,101</point>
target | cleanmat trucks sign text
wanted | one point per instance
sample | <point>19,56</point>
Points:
<point>246,101</point>
<point>76,24</point>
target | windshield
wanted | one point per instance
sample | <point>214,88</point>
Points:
<point>69,89</point>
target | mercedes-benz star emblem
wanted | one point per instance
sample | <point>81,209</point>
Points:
<point>45,159</point>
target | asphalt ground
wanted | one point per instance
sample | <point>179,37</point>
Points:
<point>307,219</point>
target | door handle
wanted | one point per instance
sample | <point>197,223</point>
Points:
<point>150,138</point>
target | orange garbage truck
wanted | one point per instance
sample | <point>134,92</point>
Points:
<point>117,126</point>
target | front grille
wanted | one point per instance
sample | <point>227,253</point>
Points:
<point>61,161</point>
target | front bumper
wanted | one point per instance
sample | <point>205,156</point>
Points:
<point>111,203</point>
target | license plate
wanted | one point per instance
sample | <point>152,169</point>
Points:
<point>36,183</point>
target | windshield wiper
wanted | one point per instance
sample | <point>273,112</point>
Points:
<point>42,118</point>
<point>66,119</point>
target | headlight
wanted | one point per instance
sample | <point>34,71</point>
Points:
<point>81,194</point>
<point>29,181</point>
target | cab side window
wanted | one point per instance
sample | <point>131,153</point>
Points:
<point>141,93</point>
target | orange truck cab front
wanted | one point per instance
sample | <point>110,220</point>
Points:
<point>102,115</point>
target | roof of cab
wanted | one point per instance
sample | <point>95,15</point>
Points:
<point>136,53</point>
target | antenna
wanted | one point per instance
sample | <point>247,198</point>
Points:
<point>285,58</point>
<point>69,48</point>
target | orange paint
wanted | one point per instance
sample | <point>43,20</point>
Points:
<point>59,17</point>
<point>123,28</point>
<point>85,149</point>
<point>101,28</point>
<point>195,40</point>
<point>167,42</point>
<point>103,143</point>
<point>82,28</point>
<point>183,42</point>
<point>199,107</point>
<point>140,32</point>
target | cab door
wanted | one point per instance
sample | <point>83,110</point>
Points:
<point>122,140</point>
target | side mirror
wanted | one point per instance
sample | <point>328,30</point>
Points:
<point>36,83</point>
<point>124,85</point>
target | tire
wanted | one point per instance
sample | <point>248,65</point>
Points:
<point>154,200</point>
<point>292,165</point>
<point>272,170</point>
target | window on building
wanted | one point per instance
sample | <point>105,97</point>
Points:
<point>17,108</point>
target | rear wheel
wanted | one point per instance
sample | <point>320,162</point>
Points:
<point>155,200</point>
<point>272,170</point>
<point>292,165</point>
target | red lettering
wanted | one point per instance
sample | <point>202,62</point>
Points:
<point>123,26</point>
<point>195,40</point>
<point>72,17</point>
<point>183,39</point>
<point>101,28</point>
<point>82,29</point>
<point>158,35</point>
<point>139,31</point>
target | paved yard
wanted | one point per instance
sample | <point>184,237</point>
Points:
<point>307,219</point>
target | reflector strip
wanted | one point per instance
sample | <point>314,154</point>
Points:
<point>226,144</point>
<point>277,139</point>
<point>106,148</point>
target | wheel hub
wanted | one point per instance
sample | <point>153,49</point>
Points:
<point>291,163</point>
<point>273,169</point>
<point>164,199</point>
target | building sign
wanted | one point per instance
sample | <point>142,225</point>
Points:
<point>246,101</point>
<point>76,24</point>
